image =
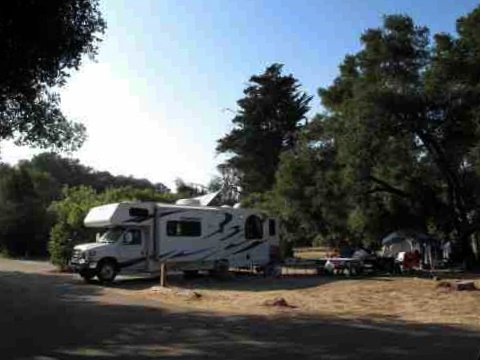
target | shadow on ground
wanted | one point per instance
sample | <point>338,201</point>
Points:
<point>238,282</point>
<point>54,317</point>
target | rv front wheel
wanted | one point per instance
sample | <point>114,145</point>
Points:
<point>106,271</point>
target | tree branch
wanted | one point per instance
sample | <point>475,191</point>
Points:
<point>385,187</point>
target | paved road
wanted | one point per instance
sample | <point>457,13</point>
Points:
<point>46,316</point>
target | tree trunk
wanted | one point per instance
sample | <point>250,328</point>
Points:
<point>456,197</point>
<point>475,246</point>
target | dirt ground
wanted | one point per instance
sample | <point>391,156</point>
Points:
<point>385,299</point>
<point>48,316</point>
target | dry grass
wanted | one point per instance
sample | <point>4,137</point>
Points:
<point>389,299</point>
<point>311,252</point>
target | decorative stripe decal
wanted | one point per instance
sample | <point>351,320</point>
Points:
<point>166,254</point>
<point>186,253</point>
<point>249,247</point>
<point>221,226</point>
<point>236,230</point>
<point>235,245</point>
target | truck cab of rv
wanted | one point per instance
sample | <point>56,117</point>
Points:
<point>114,248</point>
<point>121,241</point>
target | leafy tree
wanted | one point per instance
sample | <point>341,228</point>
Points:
<point>23,219</point>
<point>70,172</point>
<point>41,42</point>
<point>68,229</point>
<point>215,184</point>
<point>189,190</point>
<point>403,116</point>
<point>269,116</point>
<point>227,184</point>
<point>27,190</point>
<point>397,145</point>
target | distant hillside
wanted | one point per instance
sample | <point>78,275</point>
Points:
<point>67,171</point>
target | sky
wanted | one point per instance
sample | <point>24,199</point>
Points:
<point>169,73</point>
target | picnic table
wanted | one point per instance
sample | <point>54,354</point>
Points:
<point>344,265</point>
<point>329,265</point>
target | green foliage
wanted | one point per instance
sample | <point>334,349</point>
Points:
<point>41,42</point>
<point>28,190</point>
<point>269,116</point>
<point>397,145</point>
<point>67,171</point>
<point>403,120</point>
<point>24,221</point>
<point>215,184</point>
<point>185,190</point>
<point>70,212</point>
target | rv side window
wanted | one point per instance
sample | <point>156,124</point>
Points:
<point>184,228</point>
<point>271,227</point>
<point>253,228</point>
<point>132,237</point>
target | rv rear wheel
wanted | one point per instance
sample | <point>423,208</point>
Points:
<point>220,270</point>
<point>273,270</point>
<point>106,271</point>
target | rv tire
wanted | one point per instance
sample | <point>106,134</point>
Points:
<point>272,270</point>
<point>106,271</point>
<point>220,270</point>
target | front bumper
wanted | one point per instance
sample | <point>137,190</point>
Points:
<point>78,265</point>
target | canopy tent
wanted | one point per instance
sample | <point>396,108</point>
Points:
<point>402,235</point>
<point>405,241</point>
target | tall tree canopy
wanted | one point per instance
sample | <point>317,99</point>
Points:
<point>40,42</point>
<point>400,136</point>
<point>269,116</point>
<point>24,223</point>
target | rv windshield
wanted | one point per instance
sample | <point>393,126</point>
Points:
<point>111,235</point>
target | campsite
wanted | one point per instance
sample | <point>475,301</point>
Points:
<point>231,179</point>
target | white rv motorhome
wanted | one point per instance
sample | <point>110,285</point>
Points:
<point>140,236</point>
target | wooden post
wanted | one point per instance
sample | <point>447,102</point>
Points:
<point>163,275</point>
